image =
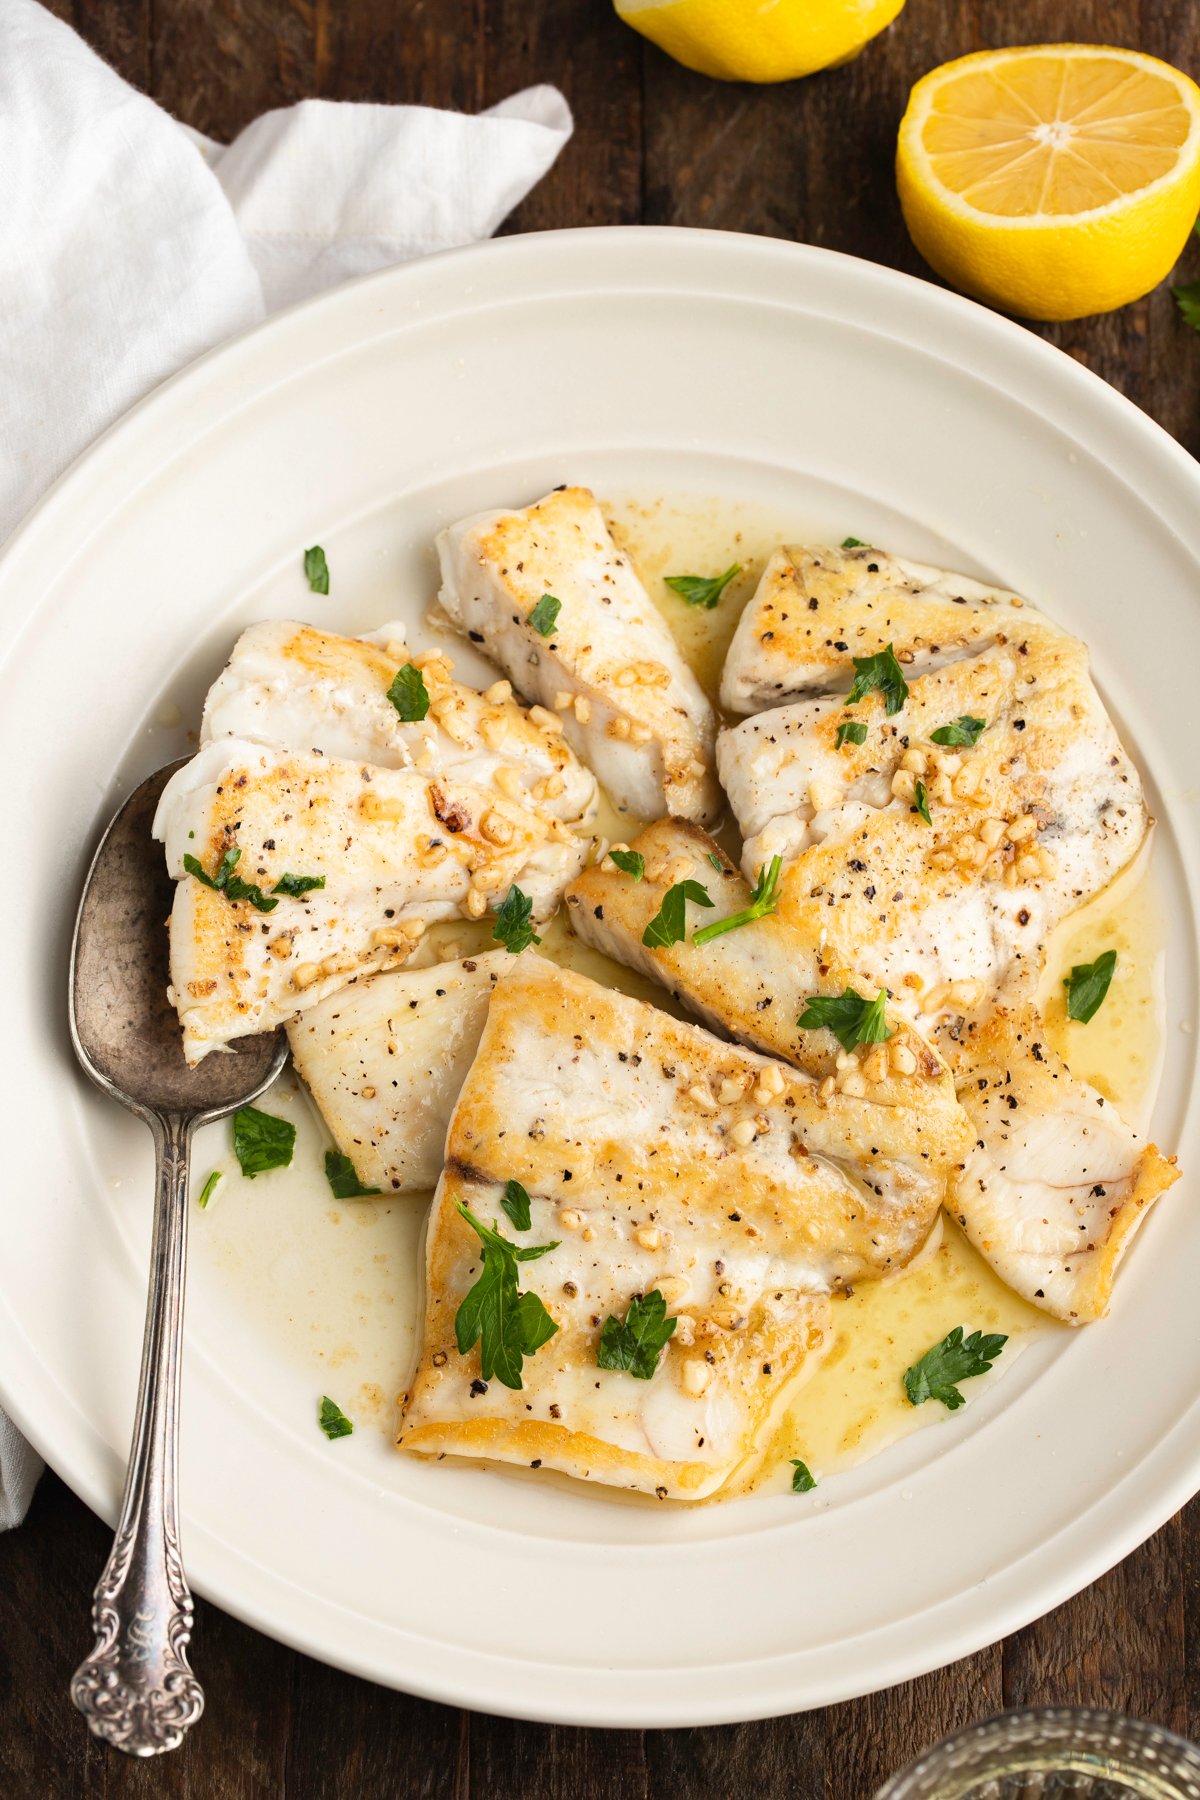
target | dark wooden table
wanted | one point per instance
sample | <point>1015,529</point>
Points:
<point>812,161</point>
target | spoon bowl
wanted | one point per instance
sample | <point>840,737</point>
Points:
<point>136,1689</point>
<point>124,1028</point>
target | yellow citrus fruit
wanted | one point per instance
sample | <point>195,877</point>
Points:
<point>759,40</point>
<point>1055,180</point>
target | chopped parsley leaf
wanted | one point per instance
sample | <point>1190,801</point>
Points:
<point>295,885</point>
<point>261,1141</point>
<point>409,695</point>
<point>851,731</point>
<point>881,672</point>
<point>317,570</point>
<point>716,862</point>
<point>668,926</point>
<point>544,615</point>
<point>635,1343</point>
<point>512,926</point>
<point>507,1325</point>
<point>207,1191</point>
<point>515,1201</point>
<point>764,897</point>
<point>342,1177</point>
<point>1187,297</point>
<point>227,883</point>
<point>332,1419</point>
<point>703,590</point>
<point>855,544</point>
<point>963,730</point>
<point>803,1479</point>
<point>1086,986</point>
<point>851,1019</point>
<point>921,802</point>
<point>630,862</point>
<point>936,1375</point>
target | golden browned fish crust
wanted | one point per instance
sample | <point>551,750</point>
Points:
<point>659,1157</point>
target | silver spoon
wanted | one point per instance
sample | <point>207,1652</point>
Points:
<point>136,1689</point>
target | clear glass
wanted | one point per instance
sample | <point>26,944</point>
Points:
<point>1051,1753</point>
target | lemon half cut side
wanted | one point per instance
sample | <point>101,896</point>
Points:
<point>1053,181</point>
<point>759,40</point>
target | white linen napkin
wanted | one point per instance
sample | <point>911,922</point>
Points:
<point>132,244</point>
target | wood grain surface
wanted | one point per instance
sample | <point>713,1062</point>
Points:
<point>811,161</point>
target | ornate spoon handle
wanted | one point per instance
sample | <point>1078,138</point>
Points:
<point>136,1689</point>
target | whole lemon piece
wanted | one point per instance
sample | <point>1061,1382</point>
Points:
<point>1055,180</point>
<point>759,40</point>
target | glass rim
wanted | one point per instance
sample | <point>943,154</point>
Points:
<point>1008,1743</point>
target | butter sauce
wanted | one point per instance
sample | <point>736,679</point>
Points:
<point>337,1284</point>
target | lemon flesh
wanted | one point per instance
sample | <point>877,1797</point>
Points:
<point>1052,181</point>
<point>759,40</point>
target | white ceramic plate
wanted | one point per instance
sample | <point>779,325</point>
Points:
<point>837,394</point>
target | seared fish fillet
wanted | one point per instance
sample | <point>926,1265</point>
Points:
<point>607,668</point>
<point>302,689</point>
<point>1023,827</point>
<point>1057,1183</point>
<point>754,982</point>
<point>816,608</point>
<point>953,915</point>
<point>396,850</point>
<point>385,1057</point>
<point>609,1113</point>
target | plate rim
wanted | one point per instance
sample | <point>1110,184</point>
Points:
<point>1181,1446</point>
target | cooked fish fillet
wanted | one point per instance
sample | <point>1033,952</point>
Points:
<point>1056,1184</point>
<point>1040,814</point>
<point>816,608</point>
<point>385,1057</point>
<point>609,1113</point>
<point>609,669</point>
<point>397,850</point>
<point>306,690</point>
<point>755,982</point>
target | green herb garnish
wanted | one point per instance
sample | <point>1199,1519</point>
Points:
<point>515,1202</point>
<point>409,695</point>
<point>921,802</point>
<point>803,1479</point>
<point>342,1177</point>
<point>851,731</point>
<point>295,885</point>
<point>317,570</point>
<point>630,862</point>
<point>1086,986</point>
<point>512,926</point>
<point>261,1141</point>
<point>851,1019</point>
<point>703,590</point>
<point>635,1343</point>
<point>544,614</point>
<point>716,862</point>
<point>227,883</point>
<point>206,1192</point>
<point>963,730</point>
<point>668,925</point>
<point>506,1324</point>
<point>936,1374</point>
<point>881,672</point>
<point>764,897</point>
<point>855,544</point>
<point>332,1419</point>
<point>1187,297</point>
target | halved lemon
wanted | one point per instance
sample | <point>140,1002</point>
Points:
<point>759,40</point>
<point>1053,181</point>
